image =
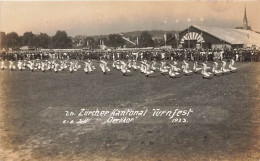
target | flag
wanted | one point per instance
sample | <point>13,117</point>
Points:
<point>177,36</point>
<point>201,19</point>
<point>165,37</point>
<point>188,19</point>
<point>177,21</point>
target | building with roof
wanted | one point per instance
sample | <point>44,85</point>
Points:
<point>216,37</point>
<point>26,48</point>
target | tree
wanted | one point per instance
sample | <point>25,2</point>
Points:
<point>2,40</point>
<point>146,39</point>
<point>42,40</point>
<point>169,35</point>
<point>13,40</point>
<point>61,40</point>
<point>115,40</point>
<point>28,39</point>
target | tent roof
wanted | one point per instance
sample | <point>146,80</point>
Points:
<point>24,48</point>
<point>232,36</point>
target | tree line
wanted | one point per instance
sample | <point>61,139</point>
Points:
<point>61,40</point>
<point>41,40</point>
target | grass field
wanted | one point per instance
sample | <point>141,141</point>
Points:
<point>224,124</point>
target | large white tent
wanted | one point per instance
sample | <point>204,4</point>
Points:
<point>233,36</point>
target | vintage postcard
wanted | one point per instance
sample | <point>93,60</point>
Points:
<point>129,80</point>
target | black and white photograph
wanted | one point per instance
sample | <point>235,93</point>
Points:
<point>130,80</point>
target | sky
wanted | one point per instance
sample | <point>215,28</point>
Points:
<point>106,17</point>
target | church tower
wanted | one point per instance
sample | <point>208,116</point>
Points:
<point>245,22</point>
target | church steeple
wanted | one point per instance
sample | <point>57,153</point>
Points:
<point>245,22</point>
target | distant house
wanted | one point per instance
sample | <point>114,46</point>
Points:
<point>157,38</point>
<point>26,48</point>
<point>128,43</point>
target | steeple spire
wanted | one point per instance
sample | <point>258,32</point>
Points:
<point>245,22</point>
<point>245,17</point>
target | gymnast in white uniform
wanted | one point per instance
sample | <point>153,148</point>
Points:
<point>11,65</point>
<point>38,64</point>
<point>71,67</point>
<point>44,66</point>
<point>56,67</point>
<point>114,63</point>
<point>163,69</point>
<point>103,66</point>
<point>63,65</point>
<point>204,72</point>
<point>173,71</point>
<point>231,66</point>
<point>143,66</point>
<point>215,70</point>
<point>153,66</point>
<point>20,65</point>
<point>3,66</point>
<point>86,68</point>
<point>89,67</point>
<point>129,64</point>
<point>77,66</point>
<point>185,67</point>
<point>135,67</point>
<point>49,65</point>
<point>223,67</point>
<point>148,71</point>
<point>196,69</point>
<point>118,65</point>
<point>124,68</point>
<point>175,68</point>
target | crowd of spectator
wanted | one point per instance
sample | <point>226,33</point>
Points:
<point>239,55</point>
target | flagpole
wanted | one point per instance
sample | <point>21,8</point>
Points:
<point>201,19</point>
<point>201,40</point>
<point>165,38</point>
<point>189,32</point>
<point>177,39</point>
<point>0,42</point>
<point>189,39</point>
